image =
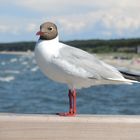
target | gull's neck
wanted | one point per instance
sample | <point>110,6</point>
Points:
<point>49,47</point>
<point>55,40</point>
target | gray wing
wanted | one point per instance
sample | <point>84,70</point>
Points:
<point>88,64</point>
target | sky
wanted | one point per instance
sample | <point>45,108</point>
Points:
<point>76,19</point>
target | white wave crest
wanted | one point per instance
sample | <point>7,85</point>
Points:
<point>7,79</point>
<point>12,71</point>
<point>34,69</point>
<point>13,60</point>
<point>24,63</point>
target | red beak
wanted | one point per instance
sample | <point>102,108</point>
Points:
<point>39,33</point>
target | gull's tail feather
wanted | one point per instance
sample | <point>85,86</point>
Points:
<point>124,80</point>
<point>131,76</point>
<point>131,81</point>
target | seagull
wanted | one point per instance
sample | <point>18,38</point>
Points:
<point>72,66</point>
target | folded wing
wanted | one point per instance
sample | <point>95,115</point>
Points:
<point>80,63</point>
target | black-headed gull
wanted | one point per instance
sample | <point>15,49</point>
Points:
<point>72,66</point>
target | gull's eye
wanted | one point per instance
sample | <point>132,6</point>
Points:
<point>50,28</point>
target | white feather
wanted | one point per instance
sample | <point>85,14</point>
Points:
<point>73,66</point>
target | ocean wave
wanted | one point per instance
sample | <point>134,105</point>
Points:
<point>33,61</point>
<point>34,69</point>
<point>7,79</point>
<point>12,71</point>
<point>3,63</point>
<point>24,63</point>
<point>13,60</point>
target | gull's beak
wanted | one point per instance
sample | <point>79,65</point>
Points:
<point>40,33</point>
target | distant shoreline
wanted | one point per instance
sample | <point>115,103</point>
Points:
<point>17,52</point>
<point>92,45</point>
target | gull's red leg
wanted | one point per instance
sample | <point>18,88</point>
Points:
<point>72,104</point>
<point>74,101</point>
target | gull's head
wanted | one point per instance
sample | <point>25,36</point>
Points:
<point>48,31</point>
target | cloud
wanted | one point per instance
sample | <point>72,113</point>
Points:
<point>53,5</point>
<point>4,28</point>
<point>120,22</point>
<point>31,27</point>
<point>73,17</point>
<point>119,16</point>
<point>113,20</point>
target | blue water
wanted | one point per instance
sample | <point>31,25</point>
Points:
<point>24,89</point>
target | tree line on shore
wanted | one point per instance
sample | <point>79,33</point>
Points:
<point>96,46</point>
